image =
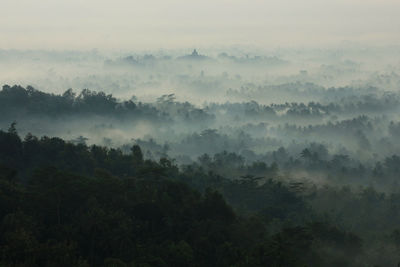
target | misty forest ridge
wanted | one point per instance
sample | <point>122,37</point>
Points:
<point>300,172</point>
<point>223,133</point>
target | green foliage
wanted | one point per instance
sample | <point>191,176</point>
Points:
<point>66,204</point>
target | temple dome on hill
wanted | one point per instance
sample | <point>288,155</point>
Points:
<point>194,56</point>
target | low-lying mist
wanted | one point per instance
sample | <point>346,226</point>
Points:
<point>301,143</point>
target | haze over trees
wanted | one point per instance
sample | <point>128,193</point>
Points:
<point>214,157</point>
<point>213,133</point>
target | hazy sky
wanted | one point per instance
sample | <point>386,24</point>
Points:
<point>124,24</point>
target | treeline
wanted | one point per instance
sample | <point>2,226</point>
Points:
<point>73,205</point>
<point>343,107</point>
<point>235,155</point>
<point>18,102</point>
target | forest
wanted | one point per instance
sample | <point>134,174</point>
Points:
<point>65,204</point>
<point>213,133</point>
<point>216,158</point>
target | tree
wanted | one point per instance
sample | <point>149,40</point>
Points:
<point>137,155</point>
<point>12,129</point>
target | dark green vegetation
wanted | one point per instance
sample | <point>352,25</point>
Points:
<point>63,204</point>
<point>227,184</point>
<point>235,158</point>
<point>19,102</point>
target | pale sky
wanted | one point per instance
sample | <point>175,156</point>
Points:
<point>152,24</point>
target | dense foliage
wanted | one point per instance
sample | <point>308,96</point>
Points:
<point>222,157</point>
<point>72,205</point>
<point>228,184</point>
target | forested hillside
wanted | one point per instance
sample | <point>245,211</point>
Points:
<point>213,133</point>
<point>286,158</point>
<point>65,204</point>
